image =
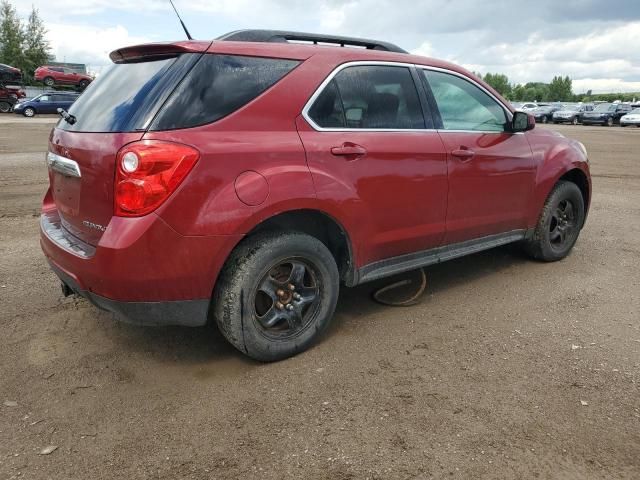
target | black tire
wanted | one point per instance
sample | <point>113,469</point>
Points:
<point>83,84</point>
<point>559,225</point>
<point>544,119</point>
<point>49,81</point>
<point>253,302</point>
<point>29,112</point>
<point>5,107</point>
<point>574,121</point>
<point>609,122</point>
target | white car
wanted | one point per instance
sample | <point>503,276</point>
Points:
<point>524,107</point>
<point>631,118</point>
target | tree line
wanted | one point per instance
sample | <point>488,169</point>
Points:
<point>559,90</point>
<point>23,45</point>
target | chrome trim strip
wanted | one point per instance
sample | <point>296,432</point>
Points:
<point>339,68</point>
<point>63,165</point>
<point>52,228</point>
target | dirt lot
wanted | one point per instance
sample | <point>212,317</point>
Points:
<point>508,369</point>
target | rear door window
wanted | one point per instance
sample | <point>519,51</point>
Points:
<point>217,86</point>
<point>369,97</point>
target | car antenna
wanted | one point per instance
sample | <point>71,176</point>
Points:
<point>181,22</point>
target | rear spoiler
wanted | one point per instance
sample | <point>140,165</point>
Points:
<point>137,53</point>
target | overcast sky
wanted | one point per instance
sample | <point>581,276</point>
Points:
<point>595,42</point>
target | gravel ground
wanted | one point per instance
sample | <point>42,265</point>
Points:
<point>508,368</point>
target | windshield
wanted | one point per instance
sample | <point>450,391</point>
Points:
<point>604,107</point>
<point>635,111</point>
<point>126,96</point>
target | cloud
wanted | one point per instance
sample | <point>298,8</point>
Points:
<point>95,45</point>
<point>592,41</point>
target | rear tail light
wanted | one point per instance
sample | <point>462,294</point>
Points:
<point>148,172</point>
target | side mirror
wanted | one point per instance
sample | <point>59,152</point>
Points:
<point>522,122</point>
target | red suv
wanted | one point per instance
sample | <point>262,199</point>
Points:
<point>243,180</point>
<point>51,76</point>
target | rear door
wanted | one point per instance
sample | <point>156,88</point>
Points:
<point>491,170</point>
<point>372,152</point>
<point>46,104</point>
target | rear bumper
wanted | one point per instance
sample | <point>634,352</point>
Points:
<point>188,313</point>
<point>142,270</point>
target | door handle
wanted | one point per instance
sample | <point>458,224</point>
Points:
<point>348,149</point>
<point>463,154</point>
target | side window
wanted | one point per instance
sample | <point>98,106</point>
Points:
<point>369,97</point>
<point>464,106</point>
<point>327,110</point>
<point>217,86</point>
<point>44,98</point>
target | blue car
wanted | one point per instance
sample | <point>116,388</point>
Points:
<point>45,103</point>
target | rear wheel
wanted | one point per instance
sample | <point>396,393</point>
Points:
<point>49,81</point>
<point>5,107</point>
<point>559,224</point>
<point>276,294</point>
<point>83,84</point>
<point>28,112</point>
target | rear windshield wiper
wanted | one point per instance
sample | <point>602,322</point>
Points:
<point>70,119</point>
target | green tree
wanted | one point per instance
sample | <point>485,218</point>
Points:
<point>499,82</point>
<point>11,36</point>
<point>36,47</point>
<point>560,89</point>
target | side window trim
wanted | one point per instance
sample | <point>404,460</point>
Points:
<point>436,110</point>
<point>364,63</point>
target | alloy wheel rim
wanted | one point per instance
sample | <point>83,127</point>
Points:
<point>563,225</point>
<point>28,112</point>
<point>287,298</point>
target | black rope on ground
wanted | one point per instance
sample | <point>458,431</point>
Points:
<point>412,300</point>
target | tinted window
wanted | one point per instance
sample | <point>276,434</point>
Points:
<point>327,110</point>
<point>464,106</point>
<point>126,96</point>
<point>44,98</point>
<point>217,86</point>
<point>604,107</point>
<point>375,96</point>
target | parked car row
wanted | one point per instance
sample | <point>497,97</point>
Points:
<point>588,114</point>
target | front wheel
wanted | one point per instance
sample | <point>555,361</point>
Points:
<point>276,294</point>
<point>610,122</point>
<point>574,121</point>
<point>28,112</point>
<point>83,84</point>
<point>559,224</point>
<point>545,119</point>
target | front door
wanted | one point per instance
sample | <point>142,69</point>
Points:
<point>491,170</point>
<point>372,157</point>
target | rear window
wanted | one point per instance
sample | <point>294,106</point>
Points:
<point>127,96</point>
<point>217,86</point>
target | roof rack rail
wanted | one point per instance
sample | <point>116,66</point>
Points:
<point>282,36</point>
